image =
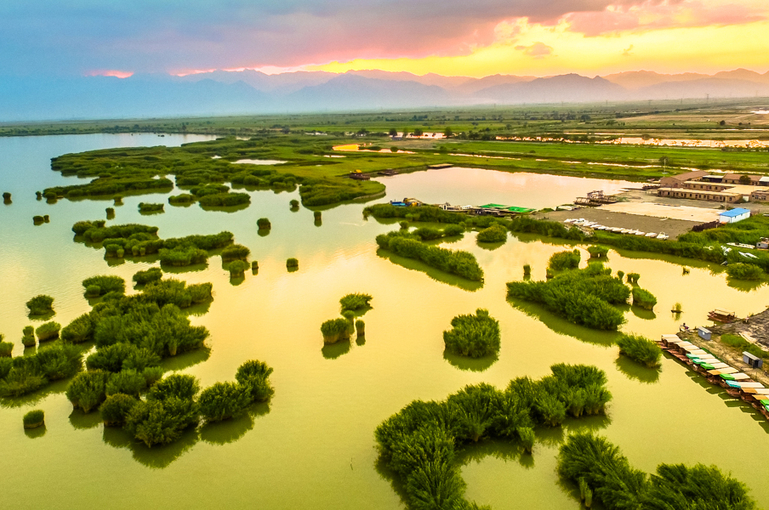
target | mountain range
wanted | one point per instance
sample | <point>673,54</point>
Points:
<point>254,92</point>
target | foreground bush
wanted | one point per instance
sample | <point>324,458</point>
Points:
<point>224,400</point>
<point>493,234</point>
<point>741,271</point>
<point>116,408</point>
<point>237,268</point>
<point>88,389</point>
<point>356,302</point>
<point>6,348</point>
<point>234,252</point>
<point>460,263</point>
<point>48,331</point>
<point>419,442</point>
<point>473,335</point>
<point>597,252</point>
<point>564,260</point>
<point>34,419</point>
<point>640,349</point>
<point>335,329</point>
<point>40,305</point>
<point>28,336</point>
<point>255,375</point>
<point>104,284</point>
<point>152,274</point>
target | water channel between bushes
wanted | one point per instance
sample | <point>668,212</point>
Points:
<point>313,446</point>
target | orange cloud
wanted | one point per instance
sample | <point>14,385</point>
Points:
<point>111,72</point>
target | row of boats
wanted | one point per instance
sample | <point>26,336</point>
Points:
<point>737,383</point>
<point>582,222</point>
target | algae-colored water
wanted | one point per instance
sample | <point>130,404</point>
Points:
<point>313,446</point>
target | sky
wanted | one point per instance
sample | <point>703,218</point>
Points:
<point>449,37</point>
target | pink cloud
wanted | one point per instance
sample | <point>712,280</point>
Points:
<point>536,50</point>
<point>111,72</point>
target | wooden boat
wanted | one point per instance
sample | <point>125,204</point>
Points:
<point>724,316</point>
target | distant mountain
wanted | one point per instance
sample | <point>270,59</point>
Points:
<point>351,92</point>
<point>254,92</point>
<point>570,88</point>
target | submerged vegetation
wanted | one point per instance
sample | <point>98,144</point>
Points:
<point>420,442</point>
<point>473,335</point>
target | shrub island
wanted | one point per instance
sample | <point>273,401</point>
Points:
<point>150,208</point>
<point>48,331</point>
<point>640,349</point>
<point>335,330</point>
<point>150,275</point>
<point>40,305</point>
<point>34,419</point>
<point>473,335</point>
<point>357,302</point>
<point>493,234</point>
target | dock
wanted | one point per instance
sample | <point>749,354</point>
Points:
<point>736,383</point>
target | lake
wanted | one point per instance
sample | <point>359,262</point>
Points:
<point>313,445</point>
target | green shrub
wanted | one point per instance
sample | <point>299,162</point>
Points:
<point>28,338</point>
<point>59,362</point>
<point>92,291</point>
<point>161,421</point>
<point>334,330</point>
<point>21,379</point>
<point>633,278</point>
<point>564,260</point>
<point>48,331</point>
<point>6,348</point>
<point>79,330</point>
<point>526,270</point>
<point>455,230</point>
<point>597,252</point>
<point>699,486</point>
<point>152,375</point>
<point>356,302</point>
<point>110,212</point>
<point>360,328</point>
<point>116,408</point>
<point>640,349</point>
<point>148,208</point>
<point>152,274</point>
<point>40,305</point>
<point>527,437</point>
<point>129,382</point>
<point>224,400</point>
<point>224,199</point>
<point>182,199</point>
<point>181,386</point>
<point>234,252</point>
<point>317,215</point>
<point>643,298</point>
<point>6,364</point>
<point>294,204</point>
<point>34,419</point>
<point>263,224</point>
<point>292,263</point>
<point>460,263</point>
<point>237,268</point>
<point>740,343</point>
<point>493,234</point>
<point>254,375</point>
<point>741,271</point>
<point>88,389</point>
<point>182,255</point>
<point>473,335</point>
<point>105,284</point>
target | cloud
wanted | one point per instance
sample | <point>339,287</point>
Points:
<point>627,51</point>
<point>536,50</point>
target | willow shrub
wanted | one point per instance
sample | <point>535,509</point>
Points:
<point>742,271</point>
<point>564,260</point>
<point>28,336</point>
<point>224,400</point>
<point>6,348</point>
<point>88,389</point>
<point>633,278</point>
<point>182,199</point>
<point>40,305</point>
<point>335,329</point>
<point>700,486</point>
<point>21,379</point>
<point>597,252</point>
<point>493,234</point>
<point>116,408</point>
<point>255,375</point>
<point>643,298</point>
<point>129,382</point>
<point>263,224</point>
<point>640,349</point>
<point>460,263</point>
<point>48,331</point>
<point>235,252</point>
<point>176,292</point>
<point>105,283</point>
<point>419,442</point>
<point>152,274</point>
<point>360,328</point>
<point>183,255</point>
<point>147,208</point>
<point>356,302</point>
<point>34,419</point>
<point>473,335</point>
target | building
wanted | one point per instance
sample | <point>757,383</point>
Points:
<point>724,188</point>
<point>734,215</point>
<point>755,180</point>
<point>693,194</point>
<point>677,181</point>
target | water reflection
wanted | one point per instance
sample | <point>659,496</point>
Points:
<point>229,431</point>
<point>186,360</point>
<point>225,208</point>
<point>467,363</point>
<point>84,421</point>
<point>564,327</point>
<point>36,432</point>
<point>335,350</point>
<point>744,285</point>
<point>37,396</point>
<point>641,313</point>
<point>490,246</point>
<point>637,372</point>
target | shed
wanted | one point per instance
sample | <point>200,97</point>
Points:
<point>703,333</point>
<point>751,360</point>
<point>734,215</point>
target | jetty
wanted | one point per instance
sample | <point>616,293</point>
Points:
<point>737,383</point>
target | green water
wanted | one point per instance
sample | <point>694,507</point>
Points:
<point>313,446</point>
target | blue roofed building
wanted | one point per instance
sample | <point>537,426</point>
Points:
<point>734,215</point>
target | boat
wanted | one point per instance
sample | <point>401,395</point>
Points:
<point>724,316</point>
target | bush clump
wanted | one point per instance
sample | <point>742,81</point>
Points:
<point>460,263</point>
<point>48,331</point>
<point>473,335</point>
<point>104,284</point>
<point>581,296</point>
<point>235,252</point>
<point>150,208</point>
<point>6,348</point>
<point>740,343</point>
<point>88,389</point>
<point>116,408</point>
<point>294,204</point>
<point>356,302</point>
<point>255,375</point>
<point>40,305</point>
<point>597,252</point>
<point>224,400</point>
<point>182,199</point>
<point>237,268</point>
<point>28,336</point>
<point>335,329</point>
<point>34,419</point>
<point>263,224</point>
<point>182,255</point>
<point>564,260</point>
<point>640,349</point>
<point>152,274</point>
<point>292,263</point>
<point>643,298</point>
<point>493,234</point>
<point>742,271</point>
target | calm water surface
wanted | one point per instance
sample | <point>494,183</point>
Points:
<point>313,446</point>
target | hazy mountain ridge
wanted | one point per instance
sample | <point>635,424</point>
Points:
<point>254,92</point>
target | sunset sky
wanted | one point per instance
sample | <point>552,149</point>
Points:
<point>449,37</point>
